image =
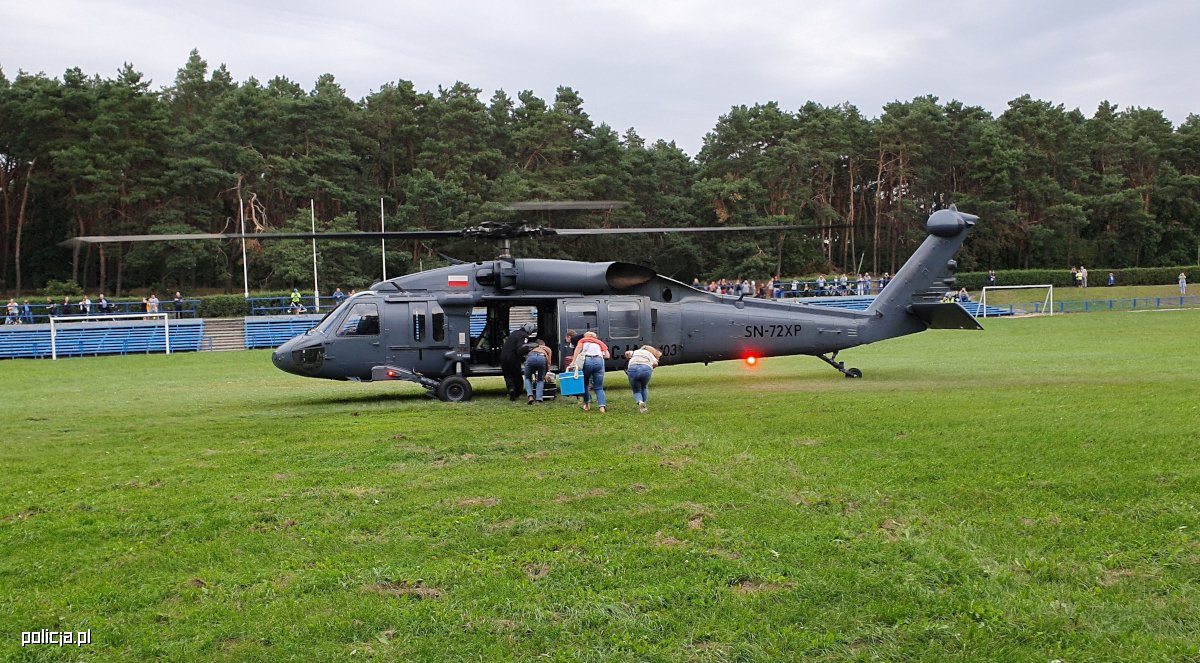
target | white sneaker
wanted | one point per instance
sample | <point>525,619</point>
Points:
<point>642,408</point>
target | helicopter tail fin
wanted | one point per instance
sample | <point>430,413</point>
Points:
<point>929,273</point>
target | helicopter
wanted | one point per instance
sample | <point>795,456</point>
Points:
<point>418,327</point>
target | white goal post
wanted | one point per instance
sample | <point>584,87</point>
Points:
<point>1047,303</point>
<point>115,316</point>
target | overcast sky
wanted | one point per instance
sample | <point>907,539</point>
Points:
<point>668,68</point>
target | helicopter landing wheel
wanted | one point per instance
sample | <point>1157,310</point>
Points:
<point>853,373</point>
<point>454,389</point>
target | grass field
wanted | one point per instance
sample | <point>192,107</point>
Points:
<point>1027,493</point>
<point>1095,293</point>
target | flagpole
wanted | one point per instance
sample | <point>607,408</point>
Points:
<point>382,241</point>
<point>245,270</point>
<point>312,206</point>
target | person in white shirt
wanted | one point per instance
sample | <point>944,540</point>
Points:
<point>590,353</point>
<point>641,367</point>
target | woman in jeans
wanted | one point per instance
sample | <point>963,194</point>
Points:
<point>641,366</point>
<point>591,352</point>
<point>536,363</point>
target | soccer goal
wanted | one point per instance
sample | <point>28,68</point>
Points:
<point>1047,303</point>
<point>58,319</point>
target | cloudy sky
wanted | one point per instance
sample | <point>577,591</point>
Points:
<point>668,68</point>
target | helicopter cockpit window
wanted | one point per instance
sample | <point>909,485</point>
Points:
<point>362,320</point>
<point>623,319</point>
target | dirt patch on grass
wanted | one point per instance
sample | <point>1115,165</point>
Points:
<point>501,525</point>
<point>752,586</point>
<point>361,491</point>
<point>809,443</point>
<point>280,476</point>
<point>707,650</point>
<point>696,521</point>
<point>639,488</point>
<point>273,526</point>
<point>507,625</point>
<point>893,530</point>
<point>469,456</point>
<point>403,588</point>
<point>134,483</point>
<point>537,455</point>
<point>672,463</point>
<point>22,516</point>
<point>283,581</point>
<point>197,583</point>
<point>663,541</point>
<point>478,501</point>
<point>536,571</point>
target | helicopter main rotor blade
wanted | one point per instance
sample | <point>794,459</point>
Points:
<point>537,206</point>
<point>484,231</point>
<point>700,229</point>
<point>392,234</point>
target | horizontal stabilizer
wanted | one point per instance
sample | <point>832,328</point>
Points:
<point>947,315</point>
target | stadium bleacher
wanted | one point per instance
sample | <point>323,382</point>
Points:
<point>861,304</point>
<point>99,338</point>
<point>271,331</point>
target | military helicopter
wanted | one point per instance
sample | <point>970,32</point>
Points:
<point>418,327</point>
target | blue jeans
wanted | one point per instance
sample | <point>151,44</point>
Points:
<point>535,367</point>
<point>593,378</point>
<point>639,381</point>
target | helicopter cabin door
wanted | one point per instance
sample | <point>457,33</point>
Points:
<point>417,337</point>
<point>627,327</point>
<point>621,322</point>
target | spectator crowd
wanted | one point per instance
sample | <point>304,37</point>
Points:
<point>778,288</point>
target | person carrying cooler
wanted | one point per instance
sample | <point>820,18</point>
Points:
<point>591,353</point>
<point>641,366</point>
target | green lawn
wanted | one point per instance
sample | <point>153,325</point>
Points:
<point>1026,493</point>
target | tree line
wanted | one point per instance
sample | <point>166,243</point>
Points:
<point>85,155</point>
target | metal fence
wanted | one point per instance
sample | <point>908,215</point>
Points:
<point>1135,304</point>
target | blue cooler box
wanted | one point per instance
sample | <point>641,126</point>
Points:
<point>570,383</point>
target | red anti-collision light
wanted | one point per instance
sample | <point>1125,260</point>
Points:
<point>751,360</point>
<point>392,374</point>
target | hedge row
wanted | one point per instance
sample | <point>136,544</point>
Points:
<point>236,306</point>
<point>1061,278</point>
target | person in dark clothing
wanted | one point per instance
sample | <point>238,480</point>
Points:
<point>511,358</point>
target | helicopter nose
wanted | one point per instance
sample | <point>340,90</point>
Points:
<point>283,360</point>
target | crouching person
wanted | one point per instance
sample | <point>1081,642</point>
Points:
<point>537,362</point>
<point>641,367</point>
